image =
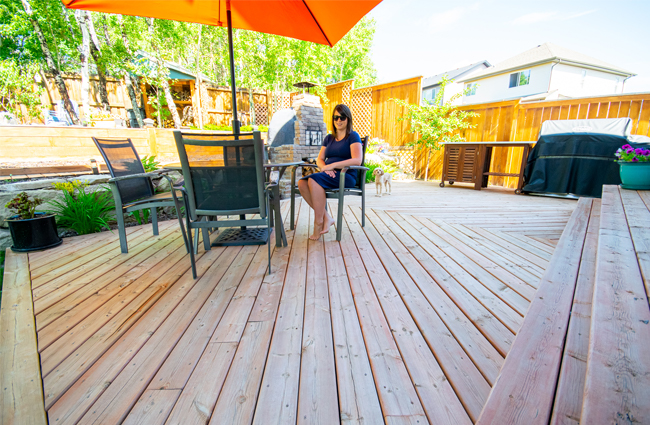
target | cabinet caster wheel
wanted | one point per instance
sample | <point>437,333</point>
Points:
<point>517,191</point>
<point>442,184</point>
<point>450,183</point>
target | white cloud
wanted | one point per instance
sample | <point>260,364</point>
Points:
<point>533,18</point>
<point>440,22</point>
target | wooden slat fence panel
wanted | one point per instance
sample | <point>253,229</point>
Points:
<point>336,93</point>
<point>525,121</point>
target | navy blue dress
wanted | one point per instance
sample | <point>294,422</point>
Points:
<point>335,152</point>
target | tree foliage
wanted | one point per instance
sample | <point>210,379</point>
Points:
<point>437,122</point>
<point>17,88</point>
<point>262,61</point>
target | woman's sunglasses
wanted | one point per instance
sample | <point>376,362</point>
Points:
<point>339,118</point>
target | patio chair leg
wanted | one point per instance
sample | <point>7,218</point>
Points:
<point>339,218</point>
<point>196,241</point>
<point>293,198</point>
<point>192,259</point>
<point>206,238</point>
<point>121,230</point>
<point>293,207</point>
<point>363,210</point>
<point>268,226</point>
<point>154,220</point>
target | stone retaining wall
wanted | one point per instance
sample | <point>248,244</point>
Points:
<point>45,190</point>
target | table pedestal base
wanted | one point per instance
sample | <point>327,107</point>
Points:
<point>238,237</point>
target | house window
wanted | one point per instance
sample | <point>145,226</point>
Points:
<point>520,79</point>
<point>429,95</point>
<point>471,89</point>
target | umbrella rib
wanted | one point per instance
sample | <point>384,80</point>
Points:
<point>316,20</point>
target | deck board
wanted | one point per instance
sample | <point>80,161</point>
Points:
<point>405,321</point>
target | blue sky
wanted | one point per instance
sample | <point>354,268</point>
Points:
<point>427,37</point>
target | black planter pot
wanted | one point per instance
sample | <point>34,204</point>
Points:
<point>34,233</point>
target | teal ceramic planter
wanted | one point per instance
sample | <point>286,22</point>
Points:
<point>635,175</point>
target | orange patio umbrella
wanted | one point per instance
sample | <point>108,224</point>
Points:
<point>318,21</point>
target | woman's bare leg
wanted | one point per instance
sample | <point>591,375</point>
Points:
<point>318,203</point>
<point>328,221</point>
<point>303,186</point>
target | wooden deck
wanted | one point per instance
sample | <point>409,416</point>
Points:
<point>405,321</point>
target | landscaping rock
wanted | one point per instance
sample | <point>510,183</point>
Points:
<point>30,185</point>
<point>162,185</point>
<point>93,179</point>
<point>5,239</point>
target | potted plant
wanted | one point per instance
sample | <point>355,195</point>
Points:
<point>634,167</point>
<point>30,230</point>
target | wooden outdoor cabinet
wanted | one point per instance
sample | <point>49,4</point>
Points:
<point>469,162</point>
<point>459,164</point>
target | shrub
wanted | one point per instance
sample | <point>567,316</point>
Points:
<point>84,211</point>
<point>149,163</point>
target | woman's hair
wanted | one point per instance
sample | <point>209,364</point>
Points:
<point>343,111</point>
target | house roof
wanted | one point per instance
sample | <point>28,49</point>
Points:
<point>435,80</point>
<point>546,53</point>
<point>176,71</point>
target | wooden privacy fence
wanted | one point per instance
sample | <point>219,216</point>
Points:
<point>373,112</point>
<point>514,121</point>
<point>214,101</point>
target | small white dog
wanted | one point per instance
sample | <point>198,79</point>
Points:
<point>383,180</point>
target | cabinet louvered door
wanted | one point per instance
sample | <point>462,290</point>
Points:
<point>459,164</point>
<point>469,157</point>
<point>454,159</point>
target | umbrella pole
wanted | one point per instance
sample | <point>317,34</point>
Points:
<point>235,120</point>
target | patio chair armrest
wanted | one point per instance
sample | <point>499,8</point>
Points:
<point>352,167</point>
<point>270,186</point>
<point>134,176</point>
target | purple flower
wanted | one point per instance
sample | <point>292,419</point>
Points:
<point>629,150</point>
<point>646,152</point>
<point>638,151</point>
<point>626,147</point>
<point>635,159</point>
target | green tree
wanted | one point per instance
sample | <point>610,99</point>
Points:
<point>17,87</point>
<point>436,123</point>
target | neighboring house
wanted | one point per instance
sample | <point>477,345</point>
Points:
<point>543,73</point>
<point>431,85</point>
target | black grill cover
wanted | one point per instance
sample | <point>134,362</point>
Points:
<point>578,164</point>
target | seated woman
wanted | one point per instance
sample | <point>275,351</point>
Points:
<point>340,149</point>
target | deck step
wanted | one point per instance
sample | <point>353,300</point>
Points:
<point>617,384</point>
<point>585,361</point>
<point>526,384</point>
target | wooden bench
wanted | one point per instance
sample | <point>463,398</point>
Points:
<point>572,363</point>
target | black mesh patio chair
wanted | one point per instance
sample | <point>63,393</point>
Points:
<point>224,176</point>
<point>359,189</point>
<point>132,187</point>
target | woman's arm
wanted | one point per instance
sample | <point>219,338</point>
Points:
<point>320,161</point>
<point>356,150</point>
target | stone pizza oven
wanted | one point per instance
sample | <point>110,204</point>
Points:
<point>309,132</point>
